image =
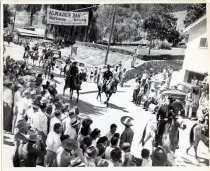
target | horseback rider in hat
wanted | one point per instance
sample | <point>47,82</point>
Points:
<point>164,114</point>
<point>106,76</point>
<point>74,74</point>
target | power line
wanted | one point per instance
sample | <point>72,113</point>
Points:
<point>94,6</point>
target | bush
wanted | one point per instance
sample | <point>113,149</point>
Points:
<point>164,45</point>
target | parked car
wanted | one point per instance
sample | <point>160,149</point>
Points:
<point>179,94</point>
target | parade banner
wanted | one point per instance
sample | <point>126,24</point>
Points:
<point>58,17</point>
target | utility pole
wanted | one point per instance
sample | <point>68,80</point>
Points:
<point>14,22</point>
<point>110,37</point>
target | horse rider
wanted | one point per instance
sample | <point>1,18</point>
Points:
<point>106,76</point>
<point>164,114</point>
<point>74,72</point>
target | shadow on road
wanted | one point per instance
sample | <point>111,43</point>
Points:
<point>113,106</point>
<point>200,161</point>
<point>6,142</point>
<point>84,107</point>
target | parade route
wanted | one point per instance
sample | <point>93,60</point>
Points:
<point>103,117</point>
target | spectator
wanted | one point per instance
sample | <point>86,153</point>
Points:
<point>113,145</point>
<point>159,157</point>
<point>190,97</point>
<point>111,132</point>
<point>116,156</point>
<point>53,143</point>
<point>95,134</point>
<point>145,154</point>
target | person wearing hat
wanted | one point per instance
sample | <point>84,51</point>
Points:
<point>106,76</point>
<point>77,162</point>
<point>91,154</point>
<point>159,157</point>
<point>64,156</point>
<point>102,163</point>
<point>73,129</point>
<point>163,116</point>
<point>151,99</point>
<point>26,154</point>
<point>126,155</point>
<point>127,134</point>
<point>74,75</point>
<point>53,142</point>
<point>20,132</point>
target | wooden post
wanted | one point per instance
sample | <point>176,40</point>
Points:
<point>110,37</point>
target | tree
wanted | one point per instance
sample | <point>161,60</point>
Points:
<point>194,12</point>
<point>32,9</point>
<point>159,24</point>
<point>7,15</point>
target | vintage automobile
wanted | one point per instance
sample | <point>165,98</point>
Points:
<point>179,93</point>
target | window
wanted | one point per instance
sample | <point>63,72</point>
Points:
<point>203,42</point>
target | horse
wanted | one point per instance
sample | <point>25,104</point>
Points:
<point>110,89</point>
<point>73,82</point>
<point>170,136</point>
<point>195,137</point>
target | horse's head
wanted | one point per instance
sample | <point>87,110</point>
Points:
<point>178,122</point>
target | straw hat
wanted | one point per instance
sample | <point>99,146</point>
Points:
<point>32,136</point>
<point>74,122</point>
<point>92,151</point>
<point>102,163</point>
<point>159,157</point>
<point>127,120</point>
<point>69,144</point>
<point>77,162</point>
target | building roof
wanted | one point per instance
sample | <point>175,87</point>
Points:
<point>195,23</point>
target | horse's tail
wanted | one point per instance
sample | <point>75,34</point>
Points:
<point>192,134</point>
<point>143,136</point>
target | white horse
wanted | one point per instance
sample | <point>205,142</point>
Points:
<point>195,137</point>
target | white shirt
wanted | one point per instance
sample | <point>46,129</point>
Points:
<point>152,95</point>
<point>39,121</point>
<point>53,121</point>
<point>66,123</point>
<point>146,162</point>
<point>17,97</point>
<point>108,152</point>
<point>53,141</point>
<point>109,135</point>
<point>71,132</point>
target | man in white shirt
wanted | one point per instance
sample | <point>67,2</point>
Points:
<point>39,120</point>
<point>53,142</point>
<point>73,130</point>
<point>67,121</point>
<point>55,119</point>
<point>113,145</point>
<point>111,132</point>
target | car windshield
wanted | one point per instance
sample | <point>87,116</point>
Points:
<point>185,89</point>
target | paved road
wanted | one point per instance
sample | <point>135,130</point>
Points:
<point>103,117</point>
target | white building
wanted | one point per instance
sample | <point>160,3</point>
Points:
<point>196,61</point>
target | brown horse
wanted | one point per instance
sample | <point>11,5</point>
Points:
<point>170,136</point>
<point>196,136</point>
<point>110,89</point>
<point>73,82</point>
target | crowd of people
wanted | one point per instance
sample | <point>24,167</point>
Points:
<point>49,132</point>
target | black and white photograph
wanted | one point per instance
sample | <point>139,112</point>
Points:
<point>105,84</point>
